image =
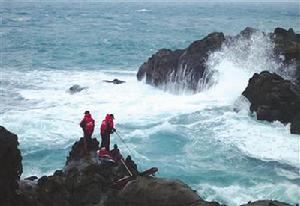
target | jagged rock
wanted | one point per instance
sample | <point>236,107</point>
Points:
<point>266,203</point>
<point>180,66</point>
<point>11,167</point>
<point>76,88</point>
<point>272,97</point>
<point>77,152</point>
<point>115,81</point>
<point>148,191</point>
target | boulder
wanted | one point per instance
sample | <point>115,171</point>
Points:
<point>183,67</point>
<point>148,191</point>
<point>76,88</point>
<point>11,167</point>
<point>272,97</point>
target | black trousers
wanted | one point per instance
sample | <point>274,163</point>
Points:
<point>87,139</point>
<point>105,141</point>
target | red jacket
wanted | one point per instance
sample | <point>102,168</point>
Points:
<point>107,125</point>
<point>88,124</point>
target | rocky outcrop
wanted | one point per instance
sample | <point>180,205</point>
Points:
<point>272,97</point>
<point>184,67</point>
<point>11,167</point>
<point>85,182</point>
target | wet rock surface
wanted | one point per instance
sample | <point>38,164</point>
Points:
<point>115,81</point>
<point>287,44</point>
<point>76,88</point>
<point>184,66</point>
<point>11,166</point>
<point>273,98</point>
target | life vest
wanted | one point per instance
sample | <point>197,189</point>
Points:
<point>107,124</point>
<point>89,124</point>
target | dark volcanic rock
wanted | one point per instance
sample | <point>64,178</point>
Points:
<point>148,191</point>
<point>248,32</point>
<point>295,124</point>
<point>185,67</point>
<point>272,97</point>
<point>266,203</point>
<point>115,81</point>
<point>76,88</point>
<point>77,152</point>
<point>11,166</point>
<point>287,43</point>
<point>85,182</point>
<point>52,191</point>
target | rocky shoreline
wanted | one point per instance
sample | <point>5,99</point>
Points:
<point>85,182</point>
<point>271,97</point>
<point>188,66</point>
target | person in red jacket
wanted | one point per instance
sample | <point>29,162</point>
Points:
<point>107,128</point>
<point>87,124</point>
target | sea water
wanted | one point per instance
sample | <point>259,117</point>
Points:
<point>209,140</point>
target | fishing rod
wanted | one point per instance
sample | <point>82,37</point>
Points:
<point>128,170</point>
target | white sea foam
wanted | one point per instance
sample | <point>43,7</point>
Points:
<point>143,10</point>
<point>252,193</point>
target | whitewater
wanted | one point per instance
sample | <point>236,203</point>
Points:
<point>209,140</point>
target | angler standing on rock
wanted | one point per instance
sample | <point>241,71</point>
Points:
<point>87,124</point>
<point>107,128</point>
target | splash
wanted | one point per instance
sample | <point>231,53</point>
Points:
<point>229,70</point>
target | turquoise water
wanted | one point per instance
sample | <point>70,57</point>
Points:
<point>226,156</point>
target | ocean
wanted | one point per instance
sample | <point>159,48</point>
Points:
<point>227,156</point>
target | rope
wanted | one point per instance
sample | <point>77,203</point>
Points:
<point>130,151</point>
